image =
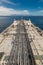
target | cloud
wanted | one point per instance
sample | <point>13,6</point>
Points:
<point>0,3</point>
<point>41,11</point>
<point>37,13</point>
<point>8,2</point>
<point>39,7</point>
<point>9,11</point>
<point>40,1</point>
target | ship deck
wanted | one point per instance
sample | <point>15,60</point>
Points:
<point>21,44</point>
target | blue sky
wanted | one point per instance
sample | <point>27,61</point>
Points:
<point>21,7</point>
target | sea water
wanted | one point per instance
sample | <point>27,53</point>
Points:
<point>6,21</point>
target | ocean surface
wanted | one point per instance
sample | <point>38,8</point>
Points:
<point>6,21</point>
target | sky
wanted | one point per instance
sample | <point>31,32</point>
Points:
<point>21,7</point>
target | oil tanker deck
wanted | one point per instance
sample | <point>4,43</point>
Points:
<point>21,44</point>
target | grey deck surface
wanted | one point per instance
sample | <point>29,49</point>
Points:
<point>21,45</point>
<point>19,54</point>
